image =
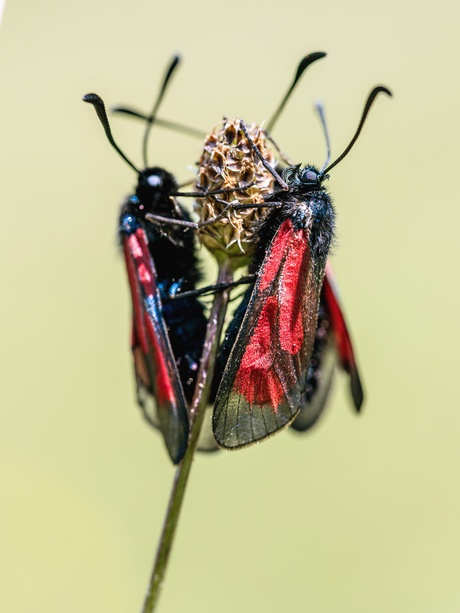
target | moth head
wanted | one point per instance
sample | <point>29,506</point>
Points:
<point>303,179</point>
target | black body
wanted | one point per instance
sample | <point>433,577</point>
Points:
<point>173,252</point>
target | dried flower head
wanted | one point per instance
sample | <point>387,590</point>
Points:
<point>228,162</point>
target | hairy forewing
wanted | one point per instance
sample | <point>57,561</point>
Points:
<point>266,374</point>
<point>156,372</point>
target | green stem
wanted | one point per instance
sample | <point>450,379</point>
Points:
<point>198,409</point>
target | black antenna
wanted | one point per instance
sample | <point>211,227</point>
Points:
<point>99,106</point>
<point>372,96</point>
<point>304,64</point>
<point>163,123</point>
<point>257,151</point>
<point>319,106</point>
<point>151,117</point>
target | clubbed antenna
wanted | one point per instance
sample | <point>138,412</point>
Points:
<point>151,117</point>
<point>99,106</point>
<point>163,123</point>
<point>370,100</point>
<point>304,64</point>
<point>319,106</point>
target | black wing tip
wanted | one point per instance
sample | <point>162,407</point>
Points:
<point>176,449</point>
<point>301,429</point>
<point>176,458</point>
<point>356,390</point>
<point>304,423</point>
<point>230,446</point>
<point>241,437</point>
<point>177,443</point>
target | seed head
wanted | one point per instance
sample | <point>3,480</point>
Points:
<point>228,162</point>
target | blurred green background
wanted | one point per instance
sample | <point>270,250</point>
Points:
<point>362,514</point>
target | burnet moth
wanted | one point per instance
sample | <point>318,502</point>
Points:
<point>206,441</point>
<point>167,335</point>
<point>265,381</point>
<point>332,348</point>
<point>181,322</point>
<point>228,162</point>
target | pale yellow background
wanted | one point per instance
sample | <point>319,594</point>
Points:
<point>363,514</point>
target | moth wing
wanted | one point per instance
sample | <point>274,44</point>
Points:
<point>343,342</point>
<point>323,364</point>
<point>144,377</point>
<point>266,373</point>
<point>154,362</point>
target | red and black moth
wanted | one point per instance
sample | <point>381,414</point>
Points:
<point>332,348</point>
<point>167,335</point>
<point>265,381</point>
<point>189,331</point>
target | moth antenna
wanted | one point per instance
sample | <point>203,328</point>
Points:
<point>257,151</point>
<point>304,64</point>
<point>151,117</point>
<point>319,106</point>
<point>163,123</point>
<point>99,107</point>
<point>128,111</point>
<point>372,96</point>
<point>281,153</point>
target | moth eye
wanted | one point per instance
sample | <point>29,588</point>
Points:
<point>309,176</point>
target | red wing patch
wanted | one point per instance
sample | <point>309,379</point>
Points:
<point>154,362</point>
<point>342,337</point>
<point>266,373</point>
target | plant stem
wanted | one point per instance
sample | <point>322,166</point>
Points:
<point>199,403</point>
